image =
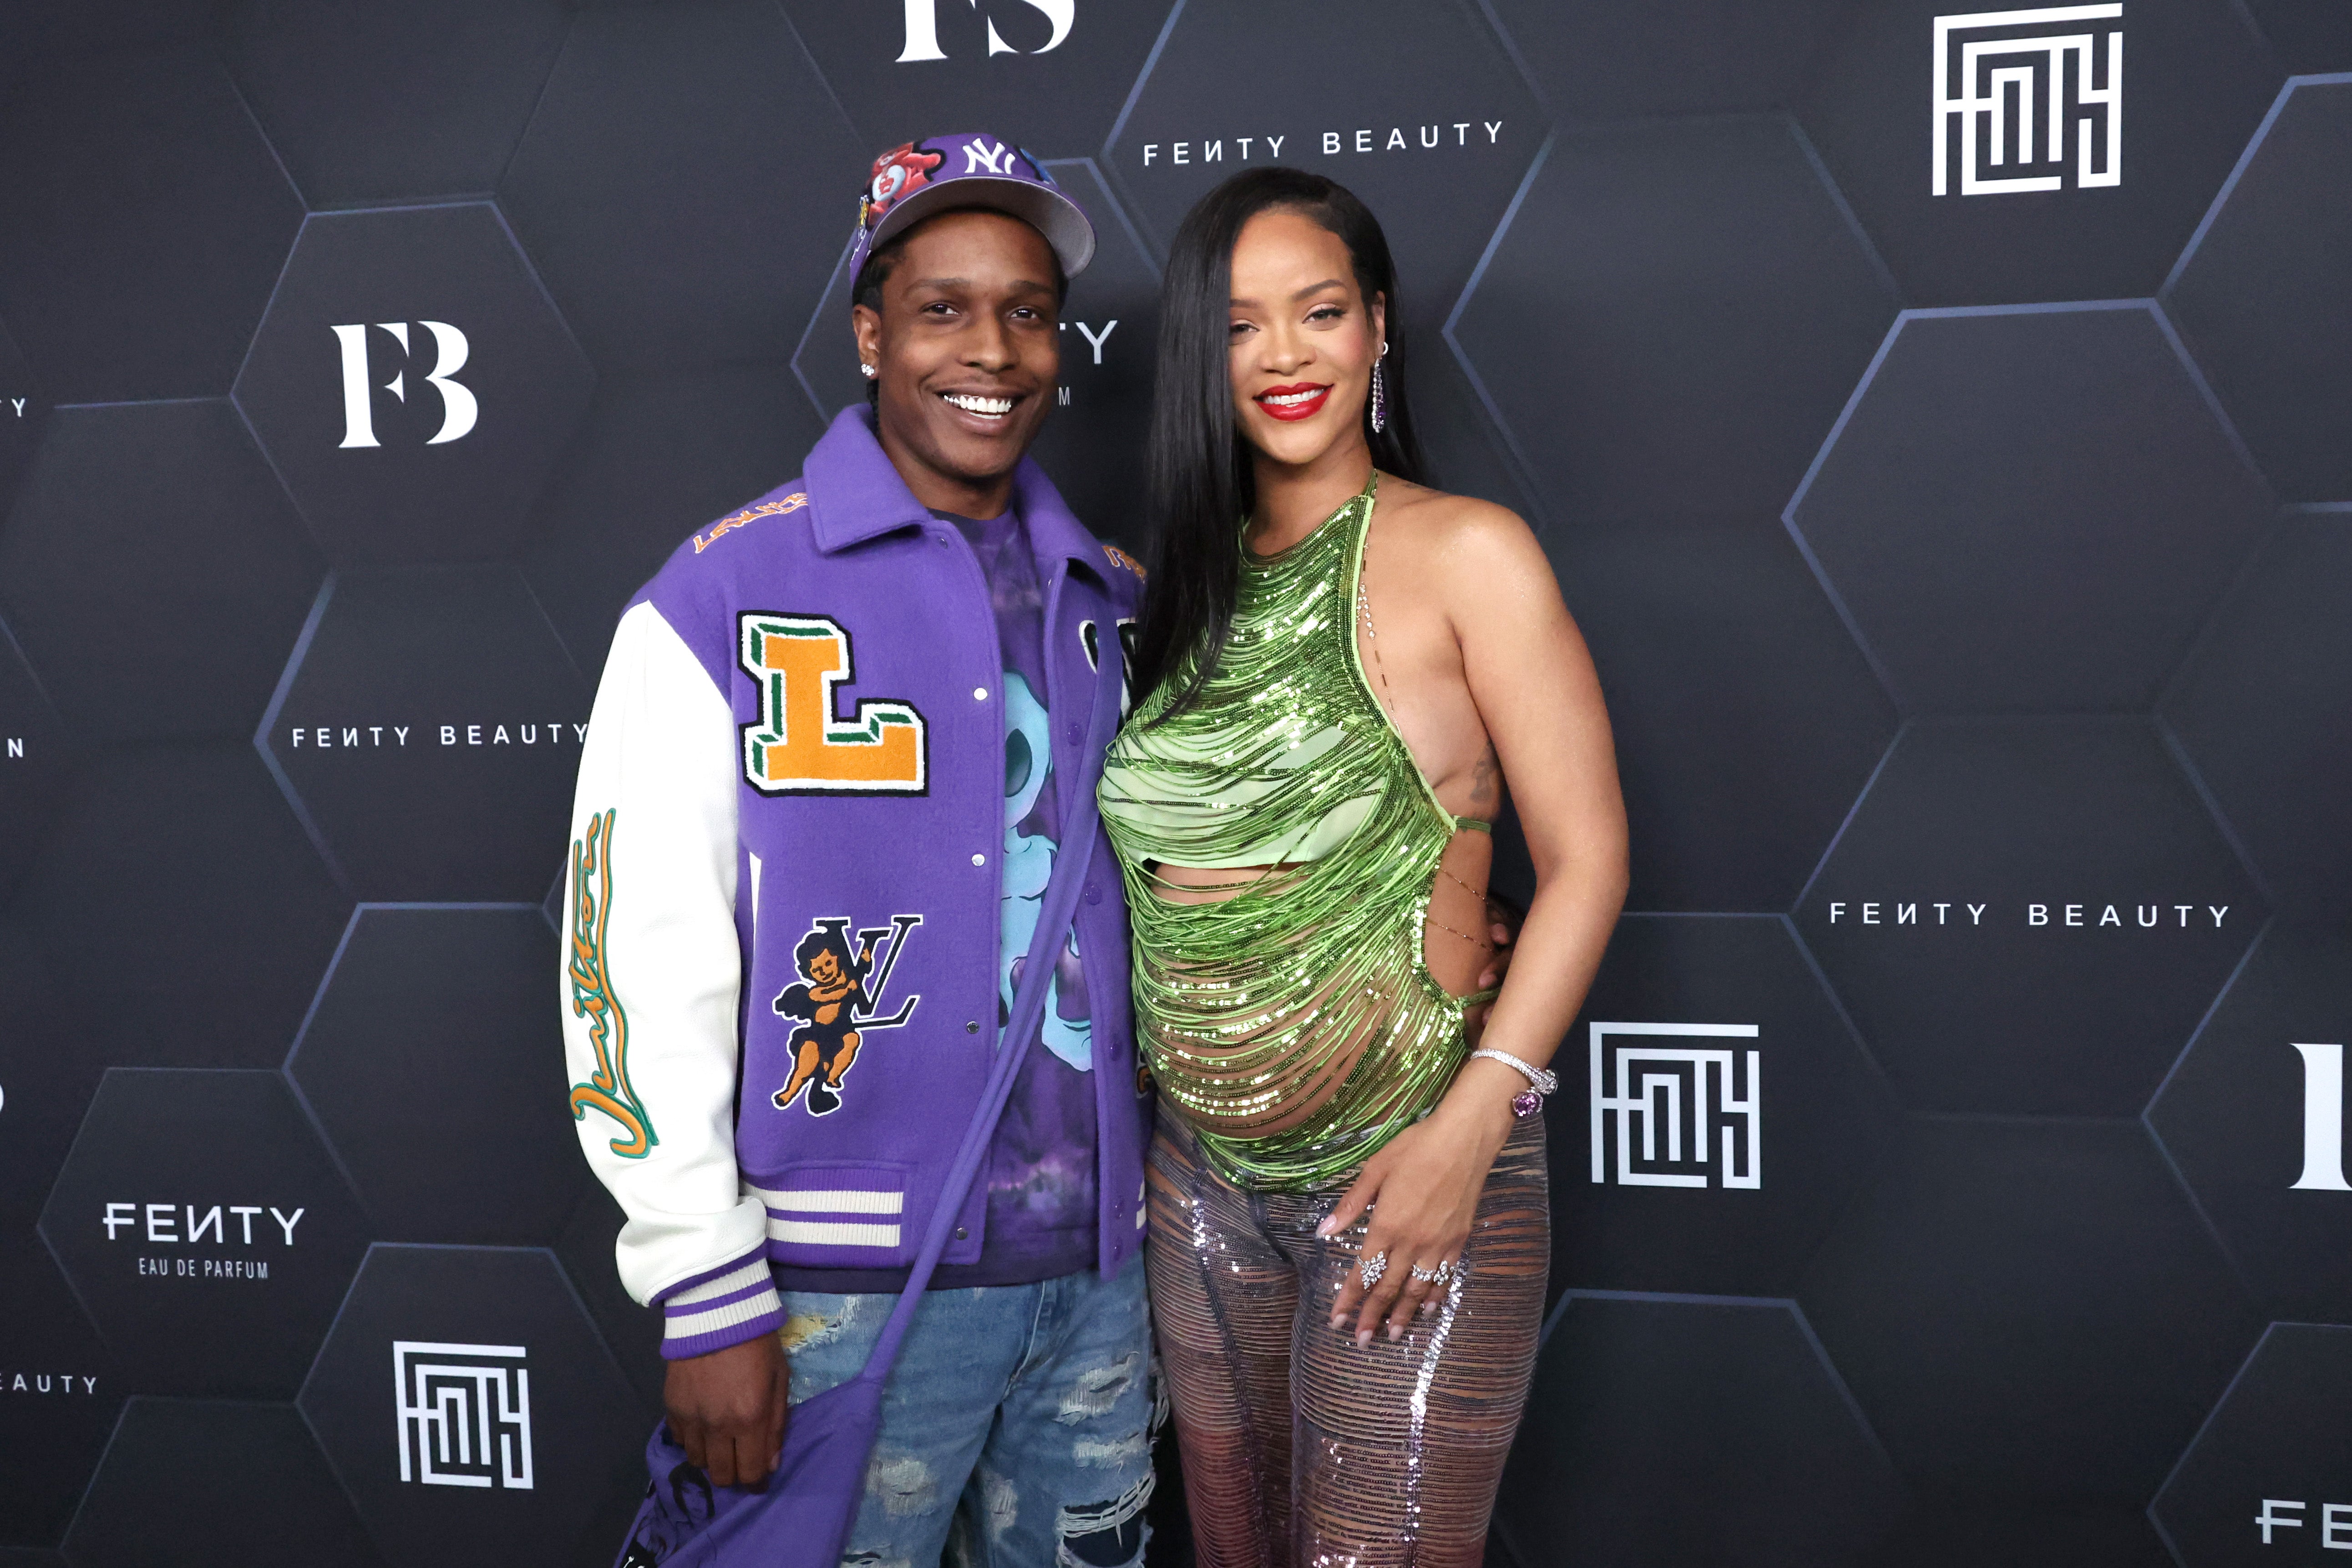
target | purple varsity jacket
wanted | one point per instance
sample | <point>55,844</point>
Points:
<point>780,979</point>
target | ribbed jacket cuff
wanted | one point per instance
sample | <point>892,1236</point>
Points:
<point>725,1306</point>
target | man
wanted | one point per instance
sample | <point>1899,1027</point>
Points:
<point>820,798</point>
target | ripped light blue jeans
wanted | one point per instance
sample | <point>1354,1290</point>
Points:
<point>1016,1427</point>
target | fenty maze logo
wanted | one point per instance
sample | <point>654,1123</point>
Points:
<point>1668,1128</point>
<point>459,409</point>
<point>2025,101</point>
<point>464,1415</point>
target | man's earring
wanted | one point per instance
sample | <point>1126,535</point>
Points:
<point>868,371</point>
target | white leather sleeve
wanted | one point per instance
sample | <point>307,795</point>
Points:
<point>651,974</point>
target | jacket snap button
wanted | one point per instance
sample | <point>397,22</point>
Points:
<point>980,694</point>
<point>961,1233</point>
<point>1073,732</point>
<point>980,859</point>
<point>971,1026</point>
<point>1093,894</point>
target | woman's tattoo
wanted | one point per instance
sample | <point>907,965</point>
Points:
<point>1483,776</point>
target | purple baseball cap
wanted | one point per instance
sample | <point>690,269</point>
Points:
<point>942,173</point>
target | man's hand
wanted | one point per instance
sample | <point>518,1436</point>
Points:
<point>1503,919</point>
<point>726,1410</point>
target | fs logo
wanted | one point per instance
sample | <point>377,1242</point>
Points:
<point>1661,1103</point>
<point>464,1415</point>
<point>2323,1119</point>
<point>797,746</point>
<point>923,29</point>
<point>459,408</point>
<point>1994,68</point>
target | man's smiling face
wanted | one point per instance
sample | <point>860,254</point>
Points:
<point>967,346</point>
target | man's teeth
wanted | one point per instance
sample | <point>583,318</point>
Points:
<point>987,407</point>
<point>1292,399</point>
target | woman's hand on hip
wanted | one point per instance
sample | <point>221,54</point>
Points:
<point>1422,1191</point>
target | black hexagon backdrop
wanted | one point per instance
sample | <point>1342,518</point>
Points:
<point>1939,422</point>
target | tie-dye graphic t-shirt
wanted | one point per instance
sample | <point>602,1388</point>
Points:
<point>1041,1166</point>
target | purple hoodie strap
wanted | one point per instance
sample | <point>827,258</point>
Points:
<point>1057,908</point>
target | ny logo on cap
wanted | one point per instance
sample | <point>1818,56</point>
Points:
<point>996,160</point>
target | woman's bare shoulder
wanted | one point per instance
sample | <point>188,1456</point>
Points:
<point>1446,529</point>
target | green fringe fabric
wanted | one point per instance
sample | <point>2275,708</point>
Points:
<point>1302,986</point>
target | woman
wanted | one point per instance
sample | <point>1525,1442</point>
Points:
<point>1337,672</point>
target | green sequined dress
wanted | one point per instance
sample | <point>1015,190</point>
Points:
<point>1252,1004</point>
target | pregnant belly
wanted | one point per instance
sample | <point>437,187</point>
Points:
<point>1277,1076</point>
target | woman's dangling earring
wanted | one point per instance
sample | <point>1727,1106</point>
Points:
<point>1379,393</point>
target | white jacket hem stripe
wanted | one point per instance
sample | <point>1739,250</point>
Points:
<point>693,1325</point>
<point>823,1233</point>
<point>752,1273</point>
<point>831,1201</point>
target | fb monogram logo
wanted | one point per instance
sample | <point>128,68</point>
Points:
<point>459,408</point>
<point>2323,1119</point>
<point>464,1415</point>
<point>1663,1089</point>
<point>797,746</point>
<point>1993,67</point>
<point>923,29</point>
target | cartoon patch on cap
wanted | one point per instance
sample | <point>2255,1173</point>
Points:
<point>898,172</point>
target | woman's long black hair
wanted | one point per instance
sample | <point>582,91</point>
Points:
<point>1199,482</point>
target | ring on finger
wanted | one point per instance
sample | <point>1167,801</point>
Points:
<point>1437,1276</point>
<point>1371,1269</point>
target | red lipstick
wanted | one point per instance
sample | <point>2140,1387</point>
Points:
<point>1306,407</point>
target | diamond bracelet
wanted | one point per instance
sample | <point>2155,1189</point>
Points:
<point>1528,1100</point>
